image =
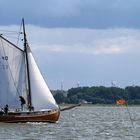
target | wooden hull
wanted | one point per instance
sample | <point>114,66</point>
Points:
<point>39,116</point>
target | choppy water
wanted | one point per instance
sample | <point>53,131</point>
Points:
<point>82,123</point>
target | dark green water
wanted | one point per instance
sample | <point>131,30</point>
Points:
<point>82,123</point>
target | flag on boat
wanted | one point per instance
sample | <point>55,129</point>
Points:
<point>121,102</point>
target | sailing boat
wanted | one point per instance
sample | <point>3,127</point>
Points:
<point>21,77</point>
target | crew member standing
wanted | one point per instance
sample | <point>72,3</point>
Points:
<point>6,108</point>
<point>22,100</point>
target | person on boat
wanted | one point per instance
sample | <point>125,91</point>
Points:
<point>23,102</point>
<point>6,108</point>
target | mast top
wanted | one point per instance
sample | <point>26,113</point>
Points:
<point>24,33</point>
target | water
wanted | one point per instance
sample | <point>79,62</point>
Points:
<point>82,123</point>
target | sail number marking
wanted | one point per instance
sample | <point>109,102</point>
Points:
<point>5,57</point>
<point>2,64</point>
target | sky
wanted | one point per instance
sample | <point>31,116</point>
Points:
<point>80,42</point>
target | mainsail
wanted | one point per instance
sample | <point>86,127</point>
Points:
<point>12,74</point>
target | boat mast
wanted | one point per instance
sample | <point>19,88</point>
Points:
<point>28,75</point>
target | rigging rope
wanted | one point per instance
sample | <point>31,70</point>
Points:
<point>19,33</point>
<point>9,31</point>
<point>126,105</point>
<point>11,34</point>
<point>130,116</point>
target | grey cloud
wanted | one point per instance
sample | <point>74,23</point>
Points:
<point>72,13</point>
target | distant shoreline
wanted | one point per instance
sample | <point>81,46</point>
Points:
<point>99,95</point>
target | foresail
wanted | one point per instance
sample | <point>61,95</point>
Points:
<point>40,94</point>
<point>12,74</point>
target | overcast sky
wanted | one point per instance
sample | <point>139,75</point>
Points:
<point>80,42</point>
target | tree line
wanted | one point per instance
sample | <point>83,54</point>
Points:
<point>98,95</point>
